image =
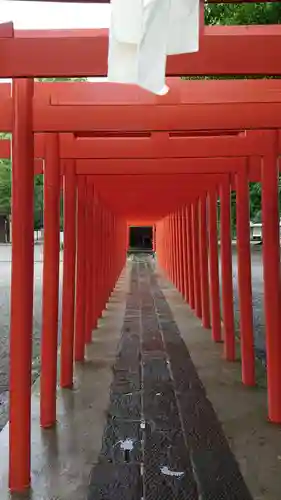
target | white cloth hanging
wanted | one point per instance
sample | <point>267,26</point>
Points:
<point>143,32</point>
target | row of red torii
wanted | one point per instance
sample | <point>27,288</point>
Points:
<point>110,144</point>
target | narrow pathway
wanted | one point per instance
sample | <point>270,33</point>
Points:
<point>162,440</point>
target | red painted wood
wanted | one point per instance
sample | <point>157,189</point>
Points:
<point>159,166</point>
<point>69,274</point>
<point>182,92</point>
<point>198,117</point>
<point>165,145</point>
<point>80,298</point>
<point>21,288</point>
<point>226,271</point>
<point>177,251</point>
<point>191,291</point>
<point>196,260</point>
<point>185,254</point>
<point>72,107</point>
<point>271,270</point>
<point>245,278</point>
<point>6,30</point>
<point>50,299</point>
<point>89,262</point>
<point>259,45</point>
<point>204,263</point>
<point>95,263</point>
<point>214,266</point>
<point>172,250</point>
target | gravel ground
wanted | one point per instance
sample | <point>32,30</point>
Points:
<point>5,279</point>
<point>5,276</point>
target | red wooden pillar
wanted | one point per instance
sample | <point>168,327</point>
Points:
<point>271,270</point>
<point>172,249</point>
<point>175,250</point>
<point>95,264</point>
<point>49,340</point>
<point>21,285</point>
<point>169,225</point>
<point>69,265</point>
<point>99,257</point>
<point>226,271</point>
<point>172,253</point>
<point>185,254</point>
<point>103,260</point>
<point>89,262</point>
<point>112,245</point>
<point>165,245</point>
<point>80,297</point>
<point>214,267</point>
<point>196,259</point>
<point>160,244</point>
<point>111,253</point>
<point>204,265</point>
<point>191,292</point>
<point>180,252</point>
<point>245,278</point>
<point>107,251</point>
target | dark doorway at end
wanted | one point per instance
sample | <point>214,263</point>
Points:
<point>140,239</point>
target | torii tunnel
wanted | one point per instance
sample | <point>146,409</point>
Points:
<point>124,157</point>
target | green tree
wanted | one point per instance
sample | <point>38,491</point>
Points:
<point>81,79</point>
<point>244,13</point>
<point>38,201</point>
<point>5,187</point>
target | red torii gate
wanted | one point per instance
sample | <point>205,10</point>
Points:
<point>189,106</point>
<point>258,143</point>
<point>24,116</point>
<point>220,52</point>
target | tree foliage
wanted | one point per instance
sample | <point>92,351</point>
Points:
<point>6,191</point>
<point>61,79</point>
<point>5,187</point>
<point>244,13</point>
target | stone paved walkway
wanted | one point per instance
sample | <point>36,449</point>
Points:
<point>162,440</point>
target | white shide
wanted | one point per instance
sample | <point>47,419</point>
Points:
<point>143,32</point>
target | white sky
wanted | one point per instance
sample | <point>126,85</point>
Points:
<point>47,15</point>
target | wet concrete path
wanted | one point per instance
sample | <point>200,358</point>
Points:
<point>162,439</point>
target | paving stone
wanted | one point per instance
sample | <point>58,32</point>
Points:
<point>160,408</point>
<point>167,469</point>
<point>115,482</point>
<point>160,420</point>
<point>126,382</point>
<point>155,369</point>
<point>125,405</point>
<point>122,442</point>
